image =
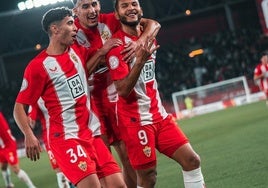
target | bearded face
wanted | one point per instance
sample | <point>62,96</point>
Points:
<point>129,12</point>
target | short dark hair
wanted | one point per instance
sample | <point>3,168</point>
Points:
<point>54,15</point>
<point>264,53</point>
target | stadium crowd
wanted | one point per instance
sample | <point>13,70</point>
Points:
<point>226,55</point>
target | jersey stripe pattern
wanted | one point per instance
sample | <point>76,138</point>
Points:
<point>61,82</point>
<point>143,106</point>
<point>6,138</point>
<point>103,88</point>
<point>262,69</point>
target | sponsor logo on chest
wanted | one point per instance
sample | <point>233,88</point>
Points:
<point>75,85</point>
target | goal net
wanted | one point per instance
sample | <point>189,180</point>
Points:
<point>211,97</point>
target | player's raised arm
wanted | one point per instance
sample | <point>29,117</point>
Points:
<point>99,56</point>
<point>126,85</point>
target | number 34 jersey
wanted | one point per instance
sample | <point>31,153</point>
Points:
<point>61,82</point>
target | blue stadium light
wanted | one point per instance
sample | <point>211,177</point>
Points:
<point>29,4</point>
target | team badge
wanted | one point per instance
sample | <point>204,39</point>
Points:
<point>147,151</point>
<point>82,165</point>
<point>105,35</point>
<point>113,62</point>
<point>74,58</point>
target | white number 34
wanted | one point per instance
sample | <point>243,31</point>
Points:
<point>76,153</point>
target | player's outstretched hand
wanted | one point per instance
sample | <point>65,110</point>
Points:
<point>146,50</point>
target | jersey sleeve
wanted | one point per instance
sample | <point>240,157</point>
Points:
<point>111,21</point>
<point>257,71</point>
<point>90,52</point>
<point>5,132</point>
<point>32,85</point>
<point>86,53</point>
<point>118,67</point>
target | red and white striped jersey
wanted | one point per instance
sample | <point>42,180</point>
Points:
<point>61,82</point>
<point>103,88</point>
<point>6,138</point>
<point>263,82</point>
<point>143,106</point>
<point>39,112</point>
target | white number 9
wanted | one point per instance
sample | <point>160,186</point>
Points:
<point>143,137</point>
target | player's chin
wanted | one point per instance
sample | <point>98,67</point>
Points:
<point>72,41</point>
<point>92,23</point>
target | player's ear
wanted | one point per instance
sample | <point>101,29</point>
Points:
<point>75,11</point>
<point>116,15</point>
<point>54,28</point>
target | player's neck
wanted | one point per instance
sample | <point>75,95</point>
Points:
<point>132,30</point>
<point>56,48</point>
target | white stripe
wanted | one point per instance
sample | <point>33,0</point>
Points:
<point>42,107</point>
<point>64,94</point>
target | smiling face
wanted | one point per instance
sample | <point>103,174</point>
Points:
<point>88,12</point>
<point>129,12</point>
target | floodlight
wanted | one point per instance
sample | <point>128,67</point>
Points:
<point>44,2</point>
<point>21,6</point>
<point>37,3</point>
<point>29,4</point>
<point>52,1</point>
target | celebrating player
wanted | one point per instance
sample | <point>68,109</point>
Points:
<point>144,123</point>
<point>95,29</point>
<point>58,75</point>
<point>261,74</point>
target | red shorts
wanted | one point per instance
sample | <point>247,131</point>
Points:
<point>76,158</point>
<point>9,155</point>
<point>106,162</point>
<point>142,141</point>
<point>107,115</point>
<point>52,160</point>
<point>51,157</point>
<point>105,96</point>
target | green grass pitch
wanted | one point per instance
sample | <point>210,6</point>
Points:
<point>232,143</point>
